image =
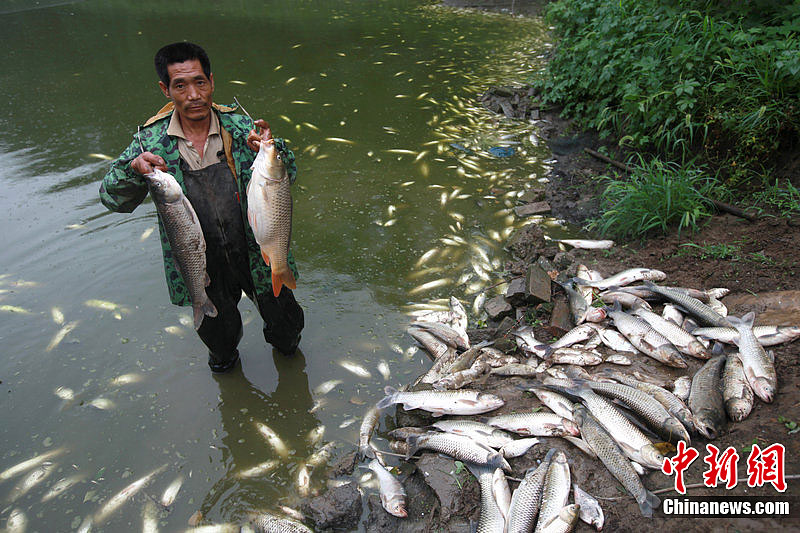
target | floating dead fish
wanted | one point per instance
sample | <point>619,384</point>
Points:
<point>441,282</point>
<point>171,492</point>
<point>339,140</point>
<point>104,404</point>
<point>259,470</point>
<point>61,486</point>
<point>145,234</point>
<point>238,82</point>
<point>356,369</point>
<point>30,463</point>
<point>125,494</point>
<point>58,316</point>
<point>15,309</point>
<point>65,393</point>
<point>383,368</point>
<point>104,157</point>
<point>274,440</point>
<point>59,336</point>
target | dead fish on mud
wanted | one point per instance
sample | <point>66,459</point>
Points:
<point>705,398</point>
<point>461,402</point>
<point>269,211</point>
<point>766,335</point>
<point>587,244</point>
<point>393,496</point>
<point>625,277</point>
<point>758,366</point>
<point>185,238</point>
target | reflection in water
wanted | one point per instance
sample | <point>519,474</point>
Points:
<point>285,411</point>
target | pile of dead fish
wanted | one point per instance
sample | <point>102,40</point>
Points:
<point>607,311</point>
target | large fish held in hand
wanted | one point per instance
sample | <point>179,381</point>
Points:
<point>269,210</point>
<point>185,239</point>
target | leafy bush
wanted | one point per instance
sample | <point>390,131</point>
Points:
<point>656,197</point>
<point>681,76</point>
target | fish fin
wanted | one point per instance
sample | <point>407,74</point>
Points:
<point>189,209</point>
<point>748,319</point>
<point>649,502</point>
<point>265,256</point>
<point>391,394</point>
<point>279,279</point>
<point>477,470</point>
<point>251,217</point>
<point>771,355</point>
<point>413,445</point>
<point>203,310</point>
<point>207,280</point>
<point>649,284</point>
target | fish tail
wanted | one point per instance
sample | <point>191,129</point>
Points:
<point>279,279</point>
<point>647,503</point>
<point>649,284</point>
<point>413,445</point>
<point>391,394</point>
<point>203,310</point>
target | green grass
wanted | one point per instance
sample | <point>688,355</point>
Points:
<point>683,77</point>
<point>785,199</point>
<point>657,198</point>
<point>721,251</point>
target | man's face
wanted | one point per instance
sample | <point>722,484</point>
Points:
<point>189,89</point>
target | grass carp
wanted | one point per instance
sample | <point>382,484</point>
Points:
<point>705,398</point>
<point>615,460</point>
<point>736,391</point>
<point>461,402</point>
<point>185,240</point>
<point>758,366</point>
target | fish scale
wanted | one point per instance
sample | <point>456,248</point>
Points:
<point>526,499</point>
<point>269,211</point>
<point>758,367</point>
<point>185,236</point>
<point>705,397</point>
<point>555,493</point>
<point>615,460</point>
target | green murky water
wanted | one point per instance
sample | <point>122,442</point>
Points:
<point>379,102</point>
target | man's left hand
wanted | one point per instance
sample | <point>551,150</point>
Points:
<point>261,133</point>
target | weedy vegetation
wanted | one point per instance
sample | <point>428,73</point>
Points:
<point>707,82</point>
<point>655,198</point>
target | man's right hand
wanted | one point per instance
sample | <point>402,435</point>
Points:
<point>147,161</point>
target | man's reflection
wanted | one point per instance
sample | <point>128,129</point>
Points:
<point>286,412</point>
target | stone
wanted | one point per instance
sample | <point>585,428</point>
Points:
<point>497,307</point>
<point>560,317</point>
<point>532,195</point>
<point>515,293</point>
<point>338,508</point>
<point>535,208</point>
<point>526,242</point>
<point>439,474</point>
<point>505,326</point>
<point>537,284</point>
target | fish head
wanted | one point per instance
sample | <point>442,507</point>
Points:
<point>697,349</point>
<point>571,427</point>
<point>671,356</point>
<point>651,456</point>
<point>270,162</point>
<point>395,504</point>
<point>163,187</point>
<point>764,389</point>
<point>673,427</point>
<point>491,401</point>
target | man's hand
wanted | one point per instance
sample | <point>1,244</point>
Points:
<point>262,133</point>
<point>146,162</point>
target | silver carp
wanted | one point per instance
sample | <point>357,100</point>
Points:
<point>766,335</point>
<point>590,512</point>
<point>478,431</point>
<point>185,238</point>
<point>626,277</point>
<point>460,402</point>
<point>269,211</point>
<point>535,424</point>
<point>393,496</point>
<point>458,447</point>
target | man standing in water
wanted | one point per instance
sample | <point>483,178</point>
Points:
<point>209,149</point>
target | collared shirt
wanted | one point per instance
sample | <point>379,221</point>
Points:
<point>188,152</point>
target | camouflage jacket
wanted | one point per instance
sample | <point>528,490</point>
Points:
<point>123,188</point>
